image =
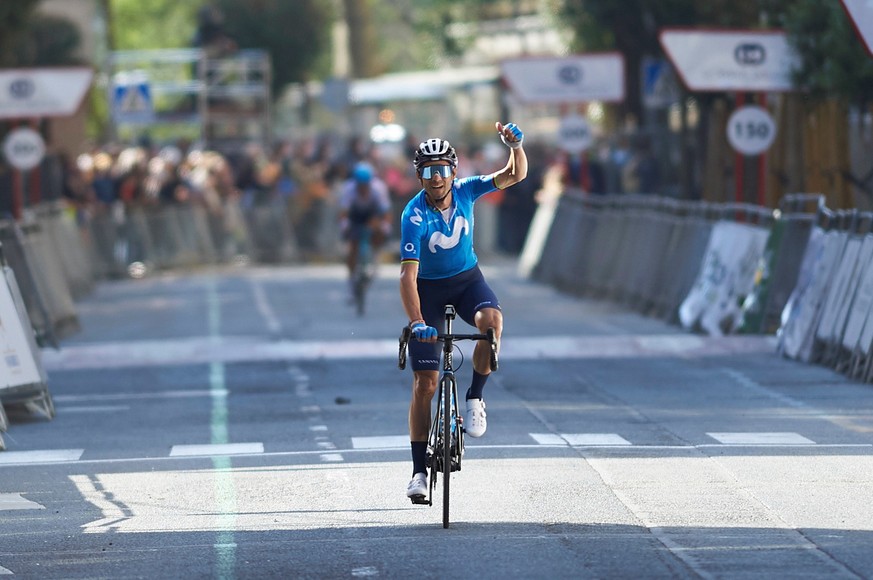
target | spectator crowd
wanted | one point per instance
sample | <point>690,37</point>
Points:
<point>289,193</point>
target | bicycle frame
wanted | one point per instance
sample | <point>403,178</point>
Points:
<point>446,433</point>
<point>363,275</point>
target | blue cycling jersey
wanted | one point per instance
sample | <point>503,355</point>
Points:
<point>443,246</point>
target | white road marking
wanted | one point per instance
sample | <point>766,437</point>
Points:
<point>385,442</point>
<point>40,456</point>
<point>548,438</point>
<point>14,501</point>
<point>318,428</point>
<point>202,350</point>
<point>4,571</point>
<point>264,308</point>
<point>138,396</point>
<point>217,449</point>
<point>761,439</point>
<point>405,449</point>
<point>365,571</point>
<point>332,457</point>
<point>95,409</point>
<point>580,439</point>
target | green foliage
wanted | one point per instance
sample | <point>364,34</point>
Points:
<point>14,17</point>
<point>296,33</point>
<point>50,41</point>
<point>834,62</point>
<point>139,25</point>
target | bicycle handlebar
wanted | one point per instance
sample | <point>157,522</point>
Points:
<point>463,336</point>
<point>406,336</point>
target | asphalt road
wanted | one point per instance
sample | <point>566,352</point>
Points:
<point>245,423</point>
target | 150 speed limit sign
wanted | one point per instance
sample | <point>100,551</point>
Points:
<point>751,130</point>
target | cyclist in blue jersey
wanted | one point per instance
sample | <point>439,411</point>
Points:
<point>439,267</point>
<point>365,206</point>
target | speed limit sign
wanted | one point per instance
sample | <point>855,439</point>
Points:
<point>575,134</point>
<point>751,130</point>
<point>24,148</point>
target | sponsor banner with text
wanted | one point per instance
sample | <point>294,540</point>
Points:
<point>731,60</point>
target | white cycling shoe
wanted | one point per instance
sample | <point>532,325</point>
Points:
<point>417,488</point>
<point>475,423</point>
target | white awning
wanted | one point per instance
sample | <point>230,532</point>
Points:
<point>419,85</point>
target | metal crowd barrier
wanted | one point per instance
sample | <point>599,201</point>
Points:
<point>20,257</point>
<point>180,236</point>
<point>23,380</point>
<point>720,268</point>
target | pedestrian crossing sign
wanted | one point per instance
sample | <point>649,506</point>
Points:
<point>132,103</point>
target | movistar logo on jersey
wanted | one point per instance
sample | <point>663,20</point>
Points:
<point>440,240</point>
<point>416,219</point>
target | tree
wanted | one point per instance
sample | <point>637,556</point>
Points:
<point>296,33</point>
<point>31,39</point>
<point>50,41</point>
<point>362,38</point>
<point>632,27</point>
<point>833,61</point>
<point>138,25</point>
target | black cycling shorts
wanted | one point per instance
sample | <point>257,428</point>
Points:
<point>468,292</point>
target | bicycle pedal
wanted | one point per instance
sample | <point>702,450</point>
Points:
<point>419,500</point>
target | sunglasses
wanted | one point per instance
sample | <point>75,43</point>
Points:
<point>445,171</point>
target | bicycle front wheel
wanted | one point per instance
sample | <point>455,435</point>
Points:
<point>448,388</point>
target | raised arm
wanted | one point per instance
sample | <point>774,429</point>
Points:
<point>516,166</point>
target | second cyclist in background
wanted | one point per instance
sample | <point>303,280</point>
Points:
<point>365,208</point>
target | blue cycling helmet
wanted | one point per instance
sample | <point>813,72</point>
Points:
<point>362,173</point>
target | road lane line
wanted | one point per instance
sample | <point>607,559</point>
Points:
<point>215,449</point>
<point>761,439</point>
<point>384,442</point>
<point>14,501</point>
<point>204,350</point>
<point>405,449</point>
<point>95,409</point>
<point>139,396</point>
<point>844,421</point>
<point>271,321</point>
<point>225,492</point>
<point>580,439</point>
<point>40,457</point>
<point>5,571</point>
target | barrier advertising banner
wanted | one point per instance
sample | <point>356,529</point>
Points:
<point>856,317</point>
<point>731,60</point>
<point>804,309</point>
<point>726,277</point>
<point>17,364</point>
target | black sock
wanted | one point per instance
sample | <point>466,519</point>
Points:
<point>475,390</point>
<point>419,457</point>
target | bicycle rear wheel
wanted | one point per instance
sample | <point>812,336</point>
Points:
<point>361,283</point>
<point>448,388</point>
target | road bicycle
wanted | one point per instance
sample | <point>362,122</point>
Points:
<point>445,444</point>
<point>364,271</point>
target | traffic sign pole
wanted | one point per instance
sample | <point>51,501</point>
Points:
<point>762,161</point>
<point>739,158</point>
<point>34,175</point>
<point>17,195</point>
